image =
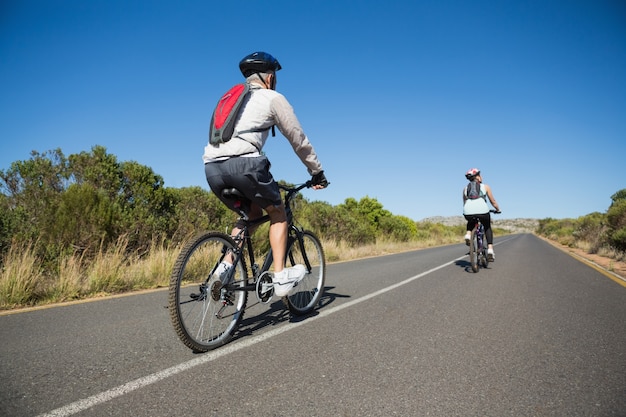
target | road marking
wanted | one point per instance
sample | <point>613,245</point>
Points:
<point>84,404</point>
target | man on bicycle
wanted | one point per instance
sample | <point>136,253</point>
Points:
<point>475,195</point>
<point>239,163</point>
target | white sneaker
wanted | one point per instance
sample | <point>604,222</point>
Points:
<point>468,237</point>
<point>221,272</point>
<point>287,280</point>
<point>490,256</point>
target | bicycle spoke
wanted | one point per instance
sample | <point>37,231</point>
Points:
<point>204,314</point>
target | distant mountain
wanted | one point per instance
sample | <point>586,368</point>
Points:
<point>512,225</point>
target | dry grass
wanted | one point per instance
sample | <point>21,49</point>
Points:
<point>19,277</point>
<point>339,251</point>
<point>110,272</point>
<point>114,272</point>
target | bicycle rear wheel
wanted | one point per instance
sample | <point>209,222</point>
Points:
<point>473,253</point>
<point>204,312</point>
<point>307,250</point>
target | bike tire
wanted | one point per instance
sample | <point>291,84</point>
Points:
<point>484,258</point>
<point>307,250</point>
<point>473,253</point>
<point>196,296</point>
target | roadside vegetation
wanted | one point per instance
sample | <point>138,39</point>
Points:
<point>602,234</point>
<point>87,225</point>
<point>597,233</point>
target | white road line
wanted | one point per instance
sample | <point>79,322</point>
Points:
<point>105,396</point>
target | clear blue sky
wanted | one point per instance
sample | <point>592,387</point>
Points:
<point>399,98</point>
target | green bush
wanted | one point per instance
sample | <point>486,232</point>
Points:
<point>616,219</point>
<point>591,229</point>
<point>398,228</point>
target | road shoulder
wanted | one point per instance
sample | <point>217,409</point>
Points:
<point>616,270</point>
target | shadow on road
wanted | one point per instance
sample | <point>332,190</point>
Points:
<point>466,265</point>
<point>277,313</point>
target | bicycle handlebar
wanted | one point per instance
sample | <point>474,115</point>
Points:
<point>495,211</point>
<point>292,190</point>
<point>296,188</point>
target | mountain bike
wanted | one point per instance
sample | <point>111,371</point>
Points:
<point>206,308</point>
<point>478,247</point>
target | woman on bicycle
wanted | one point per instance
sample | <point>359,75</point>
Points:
<point>239,163</point>
<point>475,195</point>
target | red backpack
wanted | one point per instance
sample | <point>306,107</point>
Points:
<point>225,113</point>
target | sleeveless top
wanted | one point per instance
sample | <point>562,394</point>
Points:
<point>476,206</point>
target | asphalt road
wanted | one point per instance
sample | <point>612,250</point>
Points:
<point>412,334</point>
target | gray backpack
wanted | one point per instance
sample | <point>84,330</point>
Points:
<point>473,191</point>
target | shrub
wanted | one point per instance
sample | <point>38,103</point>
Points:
<point>591,229</point>
<point>616,219</point>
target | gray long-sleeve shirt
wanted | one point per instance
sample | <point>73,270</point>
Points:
<point>263,109</point>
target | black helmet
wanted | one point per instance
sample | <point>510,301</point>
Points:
<point>258,62</point>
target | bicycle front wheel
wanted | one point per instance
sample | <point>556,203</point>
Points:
<point>473,253</point>
<point>204,311</point>
<point>307,250</point>
<point>484,259</point>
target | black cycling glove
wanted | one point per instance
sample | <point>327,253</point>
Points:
<point>319,179</point>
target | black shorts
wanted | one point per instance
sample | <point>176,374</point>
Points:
<point>485,219</point>
<point>250,175</point>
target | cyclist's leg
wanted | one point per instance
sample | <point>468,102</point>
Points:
<point>254,213</point>
<point>471,222</point>
<point>278,235</point>
<point>486,220</point>
<point>284,278</point>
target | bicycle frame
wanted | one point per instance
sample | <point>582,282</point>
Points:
<point>478,254</point>
<point>480,233</point>
<point>243,238</point>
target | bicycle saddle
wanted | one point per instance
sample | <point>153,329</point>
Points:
<point>233,194</point>
<point>240,201</point>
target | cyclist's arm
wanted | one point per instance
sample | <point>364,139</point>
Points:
<point>289,126</point>
<point>492,199</point>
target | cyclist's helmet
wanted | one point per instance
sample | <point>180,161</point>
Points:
<point>472,173</point>
<point>258,62</point>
